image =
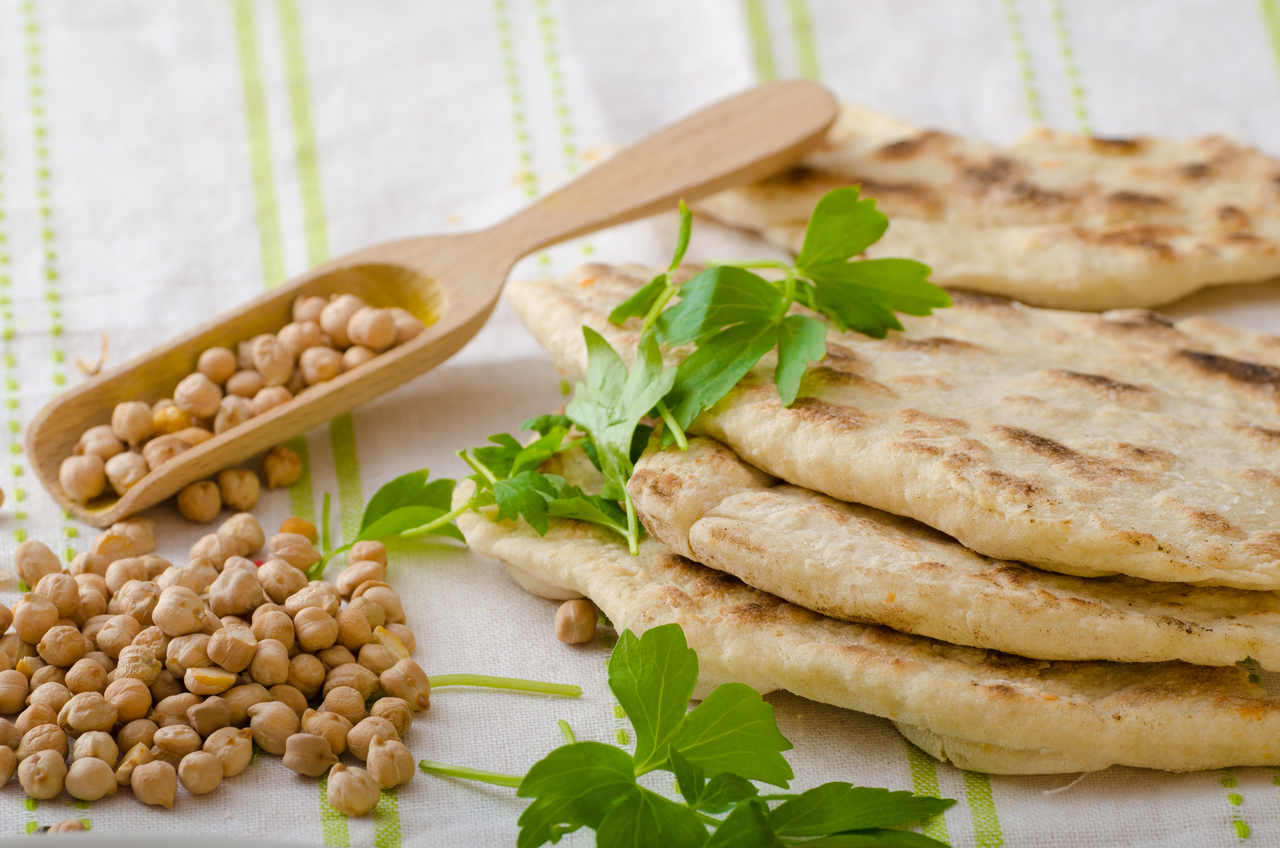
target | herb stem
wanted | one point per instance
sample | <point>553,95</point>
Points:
<point>567,731</point>
<point>446,770</point>
<point>658,305</point>
<point>325,542</point>
<point>677,431</point>
<point>633,535</point>
<point>480,467</point>
<point>566,690</point>
<point>759,263</point>
<point>706,819</point>
<point>441,521</point>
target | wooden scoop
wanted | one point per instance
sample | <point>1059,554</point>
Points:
<point>450,282</point>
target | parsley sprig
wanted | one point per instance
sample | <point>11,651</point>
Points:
<point>716,752</point>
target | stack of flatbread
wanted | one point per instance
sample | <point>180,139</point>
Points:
<point>1036,540</point>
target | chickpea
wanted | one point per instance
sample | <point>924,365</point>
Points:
<point>42,774</point>
<point>8,764</point>
<point>297,336</point>
<point>121,571</point>
<point>98,745</point>
<point>290,696</point>
<point>161,449</point>
<point>245,383</point>
<point>9,737</point>
<point>318,594</point>
<point>346,702</point>
<point>297,384</point>
<point>164,685</point>
<point>232,748</point>
<point>200,502</point>
<point>377,657</point>
<point>354,675</point>
<point>61,645</point>
<point>11,648</point>
<point>13,691</point>
<point>167,417</point>
<point>372,328</point>
<point>335,656</point>
<point>239,488</point>
<point>240,698</point>
<point>241,534</point>
<point>233,411</point>
<point>33,616</point>
<point>307,674</point>
<point>308,754</point>
<point>47,674</point>
<point>274,624</point>
<point>389,762</point>
<point>83,478</point>
<point>90,778</point>
<point>179,611</point>
<point>217,363</point>
<point>315,629</point>
<point>176,740</point>
<point>87,711</point>
<point>137,662</point>
<point>209,715</point>
<point>131,422</point>
<point>34,559</point>
<point>189,651</point>
<point>130,697</point>
<point>383,595</point>
<point>294,549</point>
<point>100,442</point>
<point>576,621</point>
<point>116,633</point>
<point>67,826</point>
<point>353,628</point>
<point>330,726</point>
<point>395,710</point>
<point>138,754</point>
<point>373,613</point>
<point>197,395</point>
<point>320,364</point>
<point>271,359</point>
<point>235,592</point>
<point>282,467</point>
<point>85,675</point>
<point>29,665</point>
<point>153,638</point>
<point>211,547</point>
<point>101,659</point>
<point>362,734</point>
<point>34,716</point>
<point>197,575</point>
<point>351,790</point>
<point>51,694</point>
<point>308,307</point>
<point>359,571</point>
<point>270,663</point>
<point>200,772</point>
<point>43,737</point>
<point>91,602</point>
<point>89,563</point>
<point>355,356</point>
<point>269,397</point>
<point>390,638</point>
<point>407,325</point>
<point>172,710</point>
<point>137,598</point>
<point>208,681</point>
<point>138,731</point>
<point>280,579</point>
<point>155,783</point>
<point>61,589</point>
<point>337,315</point>
<point>272,724</point>
<point>232,648</point>
<point>407,680</point>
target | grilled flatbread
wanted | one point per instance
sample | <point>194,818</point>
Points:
<point>1168,716</point>
<point>1058,219</point>
<point>1079,443</point>
<point>856,563</point>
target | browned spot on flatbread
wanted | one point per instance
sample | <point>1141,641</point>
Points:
<point>931,344</point>
<point>1138,199</point>
<point>921,448</point>
<point>1261,475</point>
<point>909,148</point>
<point>1242,237</point>
<point>1233,216</point>
<point>937,422</point>
<point>1150,456</point>
<point>977,300</point>
<point>1237,370</point>
<point>999,169</point>
<point>1082,465</point>
<point>1100,383</point>
<point>1266,544</point>
<point>836,415</point>
<point>1137,319</point>
<point>1030,194</point>
<point>1195,170</point>
<point>918,195</point>
<point>1117,146</point>
<point>1010,484</point>
<point>727,536</point>
<point>1146,237</point>
<point>822,375</point>
<point>1213,522</point>
<point>662,485</point>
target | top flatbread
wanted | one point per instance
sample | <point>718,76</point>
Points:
<point>1058,219</point>
<point>1080,443</point>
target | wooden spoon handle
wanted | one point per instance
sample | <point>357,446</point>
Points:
<point>738,139</point>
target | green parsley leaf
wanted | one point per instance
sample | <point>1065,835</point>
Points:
<point>412,489</point>
<point>717,298</point>
<point>639,304</point>
<point>644,818</point>
<point>525,495</point>
<point>734,730</point>
<point>653,676</point>
<point>574,503</point>
<point>801,340</point>
<point>841,227</point>
<point>711,371</point>
<point>573,786</point>
<point>543,424</point>
<point>834,807</point>
<point>408,518</point>
<point>714,796</point>
<point>746,827</point>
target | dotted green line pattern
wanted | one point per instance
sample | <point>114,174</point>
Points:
<point>9,357</point>
<point>1271,21</point>
<point>515,94</point>
<point>1236,801</point>
<point>760,40</point>
<point>1030,89</point>
<point>982,810</point>
<point>924,781</point>
<point>48,235</point>
<point>1069,65</point>
<point>560,101</point>
<point>802,35</point>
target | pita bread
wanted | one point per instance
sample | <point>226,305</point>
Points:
<point>1168,716</point>
<point>852,562</point>
<point>1058,219</point>
<point>1079,443</point>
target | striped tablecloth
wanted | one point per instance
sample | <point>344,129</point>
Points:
<point>163,161</point>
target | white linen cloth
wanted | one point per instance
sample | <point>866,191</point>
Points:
<point>162,162</point>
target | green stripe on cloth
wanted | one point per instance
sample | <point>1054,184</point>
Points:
<point>559,96</point>
<point>1030,90</point>
<point>342,437</point>
<point>511,77</point>
<point>333,824</point>
<point>924,781</point>
<point>802,33</point>
<point>1069,65</point>
<point>761,40</point>
<point>982,810</point>
<point>1236,801</point>
<point>1271,20</point>
<point>11,389</point>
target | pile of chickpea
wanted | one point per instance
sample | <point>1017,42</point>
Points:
<point>326,337</point>
<point>124,670</point>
